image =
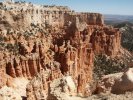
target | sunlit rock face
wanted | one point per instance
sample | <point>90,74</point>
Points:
<point>44,43</point>
<point>22,15</point>
<point>106,40</point>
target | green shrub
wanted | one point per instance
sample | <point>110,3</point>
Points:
<point>104,65</point>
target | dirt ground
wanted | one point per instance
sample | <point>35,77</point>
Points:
<point>126,96</point>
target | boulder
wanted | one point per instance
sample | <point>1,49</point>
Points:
<point>117,83</point>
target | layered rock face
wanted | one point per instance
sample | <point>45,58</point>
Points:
<point>22,15</point>
<point>39,86</point>
<point>53,41</point>
<point>106,40</point>
<point>25,58</point>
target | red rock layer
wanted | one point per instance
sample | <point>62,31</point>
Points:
<point>106,40</point>
<point>67,43</point>
<point>38,88</point>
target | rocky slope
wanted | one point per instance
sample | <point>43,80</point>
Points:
<point>118,83</point>
<point>45,43</point>
<point>127,34</point>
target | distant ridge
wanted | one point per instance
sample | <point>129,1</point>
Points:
<point>113,19</point>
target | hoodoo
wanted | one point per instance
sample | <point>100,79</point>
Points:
<point>52,47</point>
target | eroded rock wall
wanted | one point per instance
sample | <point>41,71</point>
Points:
<point>106,40</point>
<point>22,15</point>
<point>55,40</point>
